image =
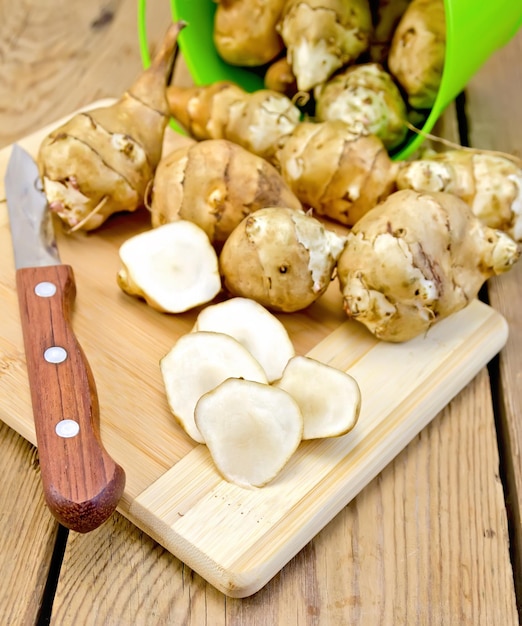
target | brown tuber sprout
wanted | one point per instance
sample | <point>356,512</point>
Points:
<point>416,259</point>
<point>101,161</point>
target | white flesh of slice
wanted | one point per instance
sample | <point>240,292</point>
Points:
<point>330,399</point>
<point>255,327</point>
<point>251,430</point>
<point>174,267</point>
<point>197,363</point>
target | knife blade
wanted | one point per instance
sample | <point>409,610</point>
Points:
<point>82,484</point>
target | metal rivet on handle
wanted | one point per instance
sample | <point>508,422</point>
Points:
<point>55,354</point>
<point>67,428</point>
<point>45,289</point>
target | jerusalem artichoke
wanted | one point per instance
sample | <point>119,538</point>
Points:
<point>282,258</point>
<point>256,121</point>
<point>245,31</point>
<point>101,161</point>
<point>416,259</point>
<point>341,174</point>
<point>173,268</point>
<point>490,183</point>
<point>215,183</point>
<point>323,35</point>
<point>418,49</point>
<point>366,98</point>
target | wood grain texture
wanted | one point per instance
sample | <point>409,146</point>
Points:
<point>175,493</point>
<point>494,99</point>
<point>53,58</point>
<point>56,57</point>
<point>27,529</point>
<point>425,542</point>
<point>431,520</point>
<point>82,484</point>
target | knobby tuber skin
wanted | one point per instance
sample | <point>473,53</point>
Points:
<point>415,259</point>
<point>367,99</point>
<point>101,161</point>
<point>491,184</point>
<point>256,121</point>
<point>282,258</point>
<point>215,184</point>
<point>416,57</point>
<point>322,36</point>
<point>245,31</point>
<point>341,174</point>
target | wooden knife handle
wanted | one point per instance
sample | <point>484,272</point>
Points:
<point>82,484</point>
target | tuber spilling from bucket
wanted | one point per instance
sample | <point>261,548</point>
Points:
<point>322,36</point>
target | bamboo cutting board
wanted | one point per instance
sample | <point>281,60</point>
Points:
<point>237,539</point>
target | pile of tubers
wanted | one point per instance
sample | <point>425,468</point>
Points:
<point>373,63</point>
<point>264,209</point>
<point>265,205</point>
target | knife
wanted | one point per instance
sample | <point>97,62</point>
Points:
<point>82,484</point>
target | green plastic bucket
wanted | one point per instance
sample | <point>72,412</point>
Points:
<point>473,32</point>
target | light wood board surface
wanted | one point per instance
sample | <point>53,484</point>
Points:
<point>237,539</point>
<point>426,542</point>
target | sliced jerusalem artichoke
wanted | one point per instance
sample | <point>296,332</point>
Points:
<point>329,399</point>
<point>174,267</point>
<point>282,258</point>
<point>253,326</point>
<point>251,430</point>
<point>215,183</point>
<point>102,160</point>
<point>197,363</point>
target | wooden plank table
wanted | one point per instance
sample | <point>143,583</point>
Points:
<point>435,538</point>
